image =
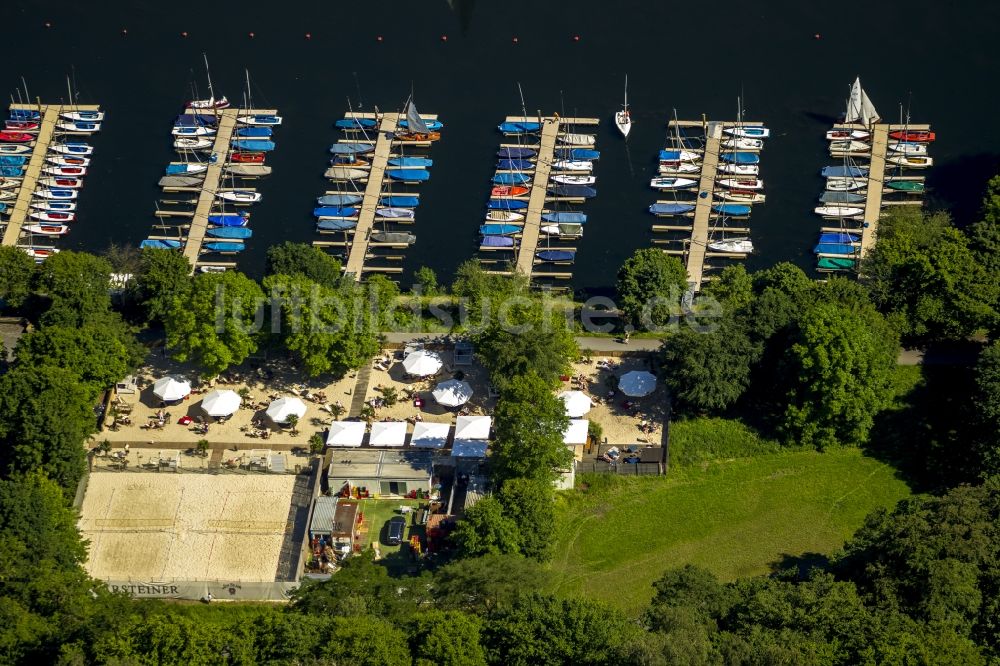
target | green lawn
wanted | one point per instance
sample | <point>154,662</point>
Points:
<point>735,518</point>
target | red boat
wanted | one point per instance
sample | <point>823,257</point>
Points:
<point>913,136</point>
<point>16,137</point>
<point>509,191</point>
<point>250,158</point>
<point>23,125</point>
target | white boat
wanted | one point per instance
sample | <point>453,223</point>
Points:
<point>395,213</point>
<point>345,173</point>
<point>47,229</point>
<point>905,148</point>
<point>859,108</point>
<point>10,183</point>
<point>67,171</point>
<point>742,143</point>
<point>748,131</point>
<point>672,183</point>
<point>39,253</point>
<point>239,196</point>
<point>910,162</point>
<point>739,169</point>
<point>76,149</point>
<point>53,216</point>
<point>83,116</point>
<point>260,120</point>
<point>847,135</point>
<point>574,139</point>
<point>740,196</point>
<point>182,143</point>
<point>732,246</point>
<point>623,119</point>
<point>846,184</point>
<point>212,269</point>
<point>504,216</point>
<point>60,160</point>
<point>741,183</point>
<point>57,206</point>
<point>849,146</point>
<point>679,167</point>
<point>11,149</point>
<point>838,211</point>
<point>211,102</point>
<point>77,128</point>
<point>192,131</point>
<point>7,195</point>
<point>574,180</point>
<point>573,165</point>
<point>682,156</point>
<point>61,183</point>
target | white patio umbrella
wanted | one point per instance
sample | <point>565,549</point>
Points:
<point>637,383</point>
<point>346,433</point>
<point>221,403</point>
<point>169,389</point>
<point>279,410</point>
<point>577,403</point>
<point>422,363</point>
<point>452,393</point>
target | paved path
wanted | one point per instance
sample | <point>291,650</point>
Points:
<point>360,390</point>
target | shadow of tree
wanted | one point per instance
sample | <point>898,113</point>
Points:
<point>959,185</point>
<point>798,566</point>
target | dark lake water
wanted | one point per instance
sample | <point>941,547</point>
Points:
<point>939,59</point>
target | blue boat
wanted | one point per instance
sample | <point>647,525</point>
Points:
<point>577,154</point>
<point>13,160</point>
<point>393,201</point>
<point>409,175</point>
<point>339,199</point>
<point>844,172</point>
<point>228,220</point>
<point>253,145</point>
<point>671,208</point>
<point>336,225</point>
<point>333,211</point>
<point>432,125</point>
<point>195,120</point>
<point>575,191</point>
<point>11,171</point>
<point>180,170</point>
<point>355,123</point>
<point>225,246</point>
<point>557,256</point>
<point>254,132</point>
<point>160,244</point>
<point>569,217</point>
<point>351,148</point>
<point>738,210</point>
<point>496,241</point>
<point>75,148</point>
<point>835,248</point>
<point>411,162</point>
<point>506,204</point>
<point>499,229</point>
<point>516,153</point>
<point>519,128</point>
<point>511,179</point>
<point>515,165</point>
<point>3,207</point>
<point>740,158</point>
<point>839,237</point>
<point>24,114</point>
<point>229,232</point>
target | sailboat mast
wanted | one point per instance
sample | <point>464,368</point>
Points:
<point>249,99</point>
<point>208,75</point>
<point>626,93</point>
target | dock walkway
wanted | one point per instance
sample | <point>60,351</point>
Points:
<point>536,201</point>
<point>703,206</point>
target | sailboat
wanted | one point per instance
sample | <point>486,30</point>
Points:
<point>416,128</point>
<point>623,119</point>
<point>211,102</point>
<point>859,108</point>
<point>732,246</point>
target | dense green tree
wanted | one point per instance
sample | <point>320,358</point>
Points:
<point>305,260</point>
<point>986,408</point>
<point>446,638</point>
<point>483,294</point>
<point>218,324</point>
<point>650,285</point>
<point>382,302</point>
<point>481,584</point>
<point>78,284</point>
<point>733,288</point>
<point>984,234</point>
<point>45,416</point>
<point>530,422</point>
<point>366,640</point>
<point>708,371</point>
<point>838,373</point>
<point>17,270</point>
<point>530,503</point>
<point>690,587</point>
<point>327,330</point>
<point>486,529</point>
<point>427,280</point>
<point>163,276</point>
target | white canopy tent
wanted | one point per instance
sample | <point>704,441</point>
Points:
<point>637,383</point>
<point>469,448</point>
<point>221,402</point>
<point>430,435</point>
<point>280,409</point>
<point>452,393</point>
<point>473,427</point>
<point>169,389</point>
<point>576,433</point>
<point>346,433</point>
<point>577,403</point>
<point>388,433</point>
<point>422,363</point>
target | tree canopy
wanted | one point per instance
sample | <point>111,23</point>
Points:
<point>302,259</point>
<point>164,275</point>
<point>486,529</point>
<point>530,422</point>
<point>650,285</point>
<point>17,271</point>
<point>77,284</point>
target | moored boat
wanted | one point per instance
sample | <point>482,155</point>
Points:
<point>260,119</point>
<point>576,139</point>
<point>519,127</point>
<point>574,180</point>
<point>224,247</point>
<point>253,145</point>
<point>160,244</point>
<point>847,135</point>
<point>247,158</point>
<point>504,216</point>
<point>910,162</point>
<point>506,204</point>
<point>395,213</point>
<point>339,199</point>
<point>229,232</point>
<point>908,186</point>
<point>394,237</point>
<point>509,191</point>
<point>53,216</point>
<point>47,229</point>
<point>748,131</point>
<point>336,225</point>
<point>741,183</point>
<point>500,229</point>
<point>239,196</point>
<point>511,178</point>
<point>838,211</point>
<point>556,256</point>
<point>345,173</point>
<point>183,143</point>
<point>573,165</point>
<point>671,183</point>
<point>669,209</point>
<point>409,175</point>
<point>351,148</point>
<point>916,136</point>
<point>516,153</point>
<point>565,217</point>
<point>732,209</point>
<point>14,149</point>
<point>16,137</point>
<point>732,246</point>
<point>907,148</point>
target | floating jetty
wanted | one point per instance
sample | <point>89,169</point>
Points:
<point>709,169</point>
<point>44,132</point>
<point>370,211</point>
<point>541,170</point>
<point>225,148</point>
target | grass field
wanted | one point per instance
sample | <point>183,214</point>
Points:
<point>736,518</point>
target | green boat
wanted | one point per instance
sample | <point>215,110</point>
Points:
<point>911,186</point>
<point>835,264</point>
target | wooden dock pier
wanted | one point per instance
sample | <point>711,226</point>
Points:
<point>18,213</point>
<point>703,206</point>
